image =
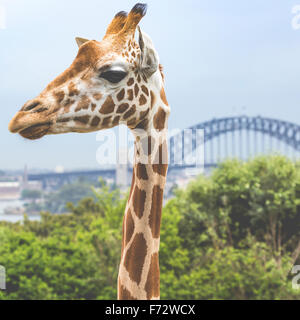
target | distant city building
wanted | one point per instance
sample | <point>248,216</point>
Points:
<point>10,190</point>
<point>33,185</point>
<point>30,185</point>
<point>25,177</point>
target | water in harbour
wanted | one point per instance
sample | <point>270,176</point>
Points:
<point>5,204</point>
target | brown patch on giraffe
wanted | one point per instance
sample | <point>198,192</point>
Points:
<point>160,165</point>
<point>139,197</point>
<point>94,106</point>
<point>145,90</point>
<point>95,121</point>
<point>124,294</point>
<point>139,78</point>
<point>136,90</point>
<point>130,112</point>
<point>144,113</point>
<point>152,284</point>
<point>130,82</point>
<point>130,94</point>
<point>108,106</point>
<point>97,96</point>
<point>129,227</point>
<point>73,91</point>
<point>160,169</point>
<point>152,95</point>
<point>116,120</point>
<point>67,104</point>
<point>141,171</point>
<point>159,119</point>
<point>155,213</point>
<point>121,95</point>
<point>142,124</point>
<point>63,120</point>
<point>144,78</point>
<point>133,54</point>
<point>83,103</point>
<point>82,119</point>
<point>163,96</point>
<point>135,257</point>
<point>122,107</point>
<point>131,123</point>
<point>59,96</point>
<point>142,100</point>
<point>106,121</point>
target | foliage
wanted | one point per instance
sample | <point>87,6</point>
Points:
<point>231,235</point>
<point>31,194</point>
<point>73,193</point>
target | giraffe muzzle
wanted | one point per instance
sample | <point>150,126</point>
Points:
<point>35,132</point>
<point>30,126</point>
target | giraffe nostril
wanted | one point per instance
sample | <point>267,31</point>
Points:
<point>31,106</point>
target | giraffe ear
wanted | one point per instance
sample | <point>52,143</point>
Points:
<point>149,58</point>
<point>80,41</point>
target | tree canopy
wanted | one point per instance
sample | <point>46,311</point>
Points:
<point>231,235</point>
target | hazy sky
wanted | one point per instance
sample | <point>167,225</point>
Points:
<point>221,58</point>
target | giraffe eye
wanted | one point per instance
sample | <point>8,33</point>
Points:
<point>113,76</point>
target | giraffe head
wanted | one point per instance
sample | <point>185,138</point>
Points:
<point>111,82</point>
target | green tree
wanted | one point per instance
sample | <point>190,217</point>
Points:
<point>73,193</point>
<point>31,194</point>
<point>231,235</point>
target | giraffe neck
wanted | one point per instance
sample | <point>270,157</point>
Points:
<point>139,276</point>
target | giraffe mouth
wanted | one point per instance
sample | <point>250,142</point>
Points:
<point>36,131</point>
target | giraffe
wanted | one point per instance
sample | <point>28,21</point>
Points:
<point>116,81</point>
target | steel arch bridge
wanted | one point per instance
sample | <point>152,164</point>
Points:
<point>186,141</point>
